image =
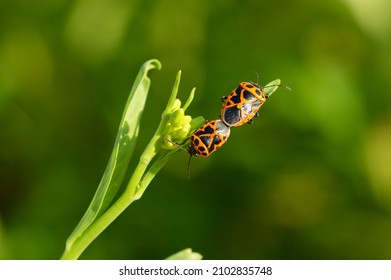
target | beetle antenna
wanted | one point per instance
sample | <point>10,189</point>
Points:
<point>180,146</point>
<point>188,167</point>
<point>256,74</point>
<point>280,85</point>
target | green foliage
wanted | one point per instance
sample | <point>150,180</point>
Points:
<point>122,151</point>
<point>309,179</point>
<point>186,254</point>
<point>174,125</point>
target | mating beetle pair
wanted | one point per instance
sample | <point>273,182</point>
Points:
<point>240,107</point>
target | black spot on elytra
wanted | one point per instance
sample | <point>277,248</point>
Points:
<point>216,140</point>
<point>209,130</point>
<point>248,95</point>
<point>232,115</point>
<point>205,140</point>
<point>235,98</point>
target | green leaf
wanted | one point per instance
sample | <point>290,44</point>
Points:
<point>122,151</point>
<point>174,124</point>
<point>271,87</point>
<point>186,254</point>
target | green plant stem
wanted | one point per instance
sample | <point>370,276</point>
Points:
<point>147,168</point>
<point>130,194</point>
<point>108,217</point>
<point>97,227</point>
<point>150,174</point>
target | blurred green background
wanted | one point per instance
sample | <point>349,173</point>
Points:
<point>309,179</point>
